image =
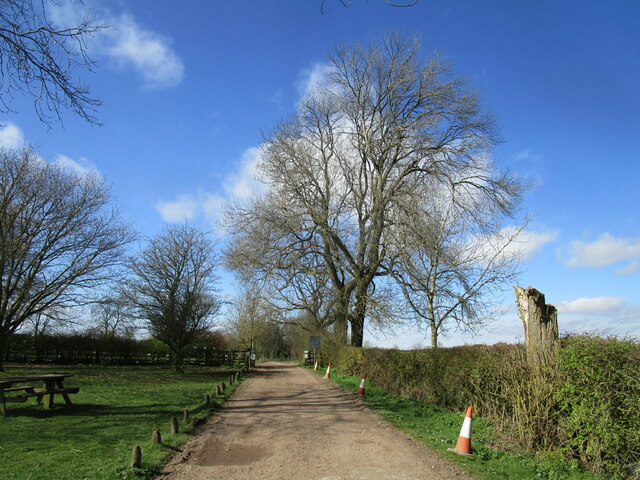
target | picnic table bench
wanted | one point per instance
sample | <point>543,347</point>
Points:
<point>53,385</point>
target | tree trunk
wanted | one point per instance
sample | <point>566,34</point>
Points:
<point>357,331</point>
<point>434,336</point>
<point>341,319</point>
<point>358,316</point>
<point>175,359</point>
<point>1,352</point>
<point>540,325</point>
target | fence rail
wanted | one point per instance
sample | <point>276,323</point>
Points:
<point>205,357</point>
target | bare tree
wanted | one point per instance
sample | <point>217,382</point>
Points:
<point>60,238</point>
<point>38,58</point>
<point>248,320</point>
<point>112,316</point>
<point>452,258</point>
<point>172,287</point>
<point>273,254</point>
<point>374,133</point>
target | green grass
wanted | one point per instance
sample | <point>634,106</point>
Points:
<point>116,408</point>
<point>439,428</point>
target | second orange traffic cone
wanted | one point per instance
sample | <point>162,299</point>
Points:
<point>315,366</point>
<point>328,374</point>
<point>361,389</point>
<point>464,440</point>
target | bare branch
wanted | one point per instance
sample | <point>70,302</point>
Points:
<point>60,238</point>
<point>39,58</point>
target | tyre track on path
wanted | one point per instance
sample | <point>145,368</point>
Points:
<point>284,422</point>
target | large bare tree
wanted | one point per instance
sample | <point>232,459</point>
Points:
<point>379,130</point>
<point>172,287</point>
<point>60,237</point>
<point>452,258</point>
<point>39,58</point>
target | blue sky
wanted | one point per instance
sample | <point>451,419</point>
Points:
<point>189,89</point>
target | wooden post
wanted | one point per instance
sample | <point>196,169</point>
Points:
<point>207,400</point>
<point>230,379</point>
<point>136,457</point>
<point>173,425</point>
<point>218,389</point>
<point>540,325</point>
<point>155,436</point>
<point>185,415</point>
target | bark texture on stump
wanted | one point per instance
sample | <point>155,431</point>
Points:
<point>540,324</point>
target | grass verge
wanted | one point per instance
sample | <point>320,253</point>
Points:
<point>438,429</point>
<point>116,408</point>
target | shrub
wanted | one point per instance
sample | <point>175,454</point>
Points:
<point>599,402</point>
<point>588,405</point>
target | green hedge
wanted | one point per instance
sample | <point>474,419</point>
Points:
<point>587,405</point>
<point>599,402</point>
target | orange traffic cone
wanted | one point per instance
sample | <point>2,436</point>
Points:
<point>315,366</point>
<point>464,440</point>
<point>361,389</point>
<point>328,374</point>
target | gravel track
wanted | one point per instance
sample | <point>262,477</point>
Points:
<point>284,422</point>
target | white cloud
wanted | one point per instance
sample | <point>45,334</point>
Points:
<point>529,244</point>
<point>604,251</point>
<point>592,306</point>
<point>528,156</point>
<point>243,184</point>
<point>600,315</point>
<point>630,269</point>
<point>313,78</point>
<point>80,167</point>
<point>126,42</point>
<point>149,53</point>
<point>238,186</point>
<point>182,208</point>
<point>11,136</point>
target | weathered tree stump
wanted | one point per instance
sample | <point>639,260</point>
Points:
<point>173,425</point>
<point>155,436</point>
<point>540,325</point>
<point>136,457</point>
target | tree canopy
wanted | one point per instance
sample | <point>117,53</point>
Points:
<point>172,287</point>
<point>381,131</point>
<point>60,237</point>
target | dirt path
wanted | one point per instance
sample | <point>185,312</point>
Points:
<point>284,422</point>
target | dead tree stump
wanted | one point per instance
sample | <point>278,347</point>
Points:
<point>540,325</point>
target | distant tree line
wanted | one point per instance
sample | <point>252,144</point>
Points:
<point>87,348</point>
<point>64,247</point>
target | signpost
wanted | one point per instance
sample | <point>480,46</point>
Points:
<point>314,344</point>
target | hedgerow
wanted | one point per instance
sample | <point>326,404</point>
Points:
<point>586,405</point>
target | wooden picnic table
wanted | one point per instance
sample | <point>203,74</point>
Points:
<point>53,384</point>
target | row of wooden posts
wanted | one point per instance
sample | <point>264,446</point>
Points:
<point>156,438</point>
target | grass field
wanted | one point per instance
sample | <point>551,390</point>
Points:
<point>439,428</point>
<point>116,408</point>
